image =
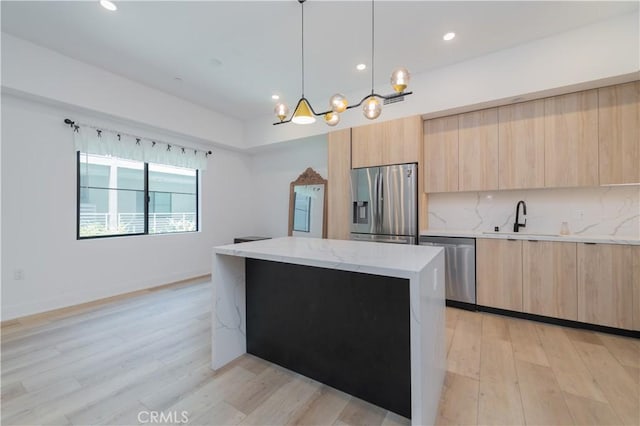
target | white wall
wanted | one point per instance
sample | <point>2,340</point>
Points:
<point>242,193</point>
<point>41,72</point>
<point>607,210</point>
<point>39,219</point>
<point>273,169</point>
<point>603,50</point>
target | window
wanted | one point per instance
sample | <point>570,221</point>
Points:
<point>124,197</point>
<point>173,194</point>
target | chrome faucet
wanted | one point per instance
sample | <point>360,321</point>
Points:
<point>518,225</point>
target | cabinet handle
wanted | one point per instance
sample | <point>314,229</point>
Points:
<point>590,243</point>
<point>533,241</point>
<point>511,239</point>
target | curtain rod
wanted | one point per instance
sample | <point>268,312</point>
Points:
<point>73,125</point>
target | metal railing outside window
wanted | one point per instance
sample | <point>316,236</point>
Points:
<point>133,223</point>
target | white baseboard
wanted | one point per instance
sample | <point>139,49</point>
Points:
<point>65,300</point>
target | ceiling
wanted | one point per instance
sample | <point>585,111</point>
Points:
<point>232,56</point>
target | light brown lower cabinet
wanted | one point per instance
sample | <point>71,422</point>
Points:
<point>591,283</point>
<point>499,273</point>
<point>608,285</point>
<point>549,279</point>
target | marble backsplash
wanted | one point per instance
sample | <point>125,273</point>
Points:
<point>607,210</point>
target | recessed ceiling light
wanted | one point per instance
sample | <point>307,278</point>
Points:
<point>361,67</point>
<point>448,36</point>
<point>275,97</point>
<point>108,5</point>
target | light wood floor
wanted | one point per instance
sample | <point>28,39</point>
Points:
<point>104,364</point>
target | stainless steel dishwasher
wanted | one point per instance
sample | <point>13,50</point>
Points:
<point>460,269</point>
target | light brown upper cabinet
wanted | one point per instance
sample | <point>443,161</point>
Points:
<point>478,150</point>
<point>366,145</point>
<point>608,277</point>
<point>549,279</point>
<point>339,184</point>
<point>571,139</point>
<point>499,273</point>
<point>619,133</point>
<point>521,145</point>
<point>390,142</point>
<point>441,154</point>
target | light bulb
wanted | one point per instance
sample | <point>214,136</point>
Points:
<point>332,118</point>
<point>372,108</point>
<point>281,111</point>
<point>400,79</point>
<point>108,5</point>
<point>338,103</point>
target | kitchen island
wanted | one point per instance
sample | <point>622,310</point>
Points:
<point>365,318</point>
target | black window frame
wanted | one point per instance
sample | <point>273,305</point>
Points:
<point>147,199</point>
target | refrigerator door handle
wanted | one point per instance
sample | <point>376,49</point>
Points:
<point>377,203</point>
<point>381,198</point>
<point>374,205</point>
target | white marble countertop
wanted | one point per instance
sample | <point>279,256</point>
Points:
<point>572,238</point>
<point>395,260</point>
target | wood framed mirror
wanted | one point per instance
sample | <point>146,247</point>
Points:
<point>308,205</point>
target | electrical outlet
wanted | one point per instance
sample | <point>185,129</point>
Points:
<point>18,274</point>
<point>580,215</point>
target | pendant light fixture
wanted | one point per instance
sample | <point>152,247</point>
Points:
<point>371,104</point>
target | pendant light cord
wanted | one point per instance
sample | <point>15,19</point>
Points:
<point>372,43</point>
<point>302,4</point>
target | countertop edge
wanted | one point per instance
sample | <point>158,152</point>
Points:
<point>364,269</point>
<point>253,250</point>
<point>605,239</point>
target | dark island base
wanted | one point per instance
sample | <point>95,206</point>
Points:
<point>345,329</point>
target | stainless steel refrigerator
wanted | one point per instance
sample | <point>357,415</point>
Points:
<point>384,204</point>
